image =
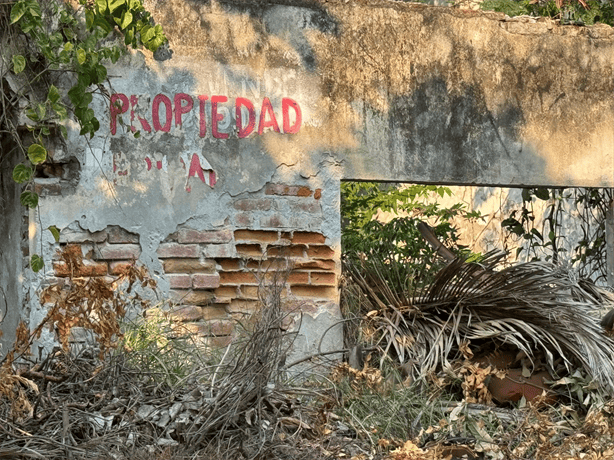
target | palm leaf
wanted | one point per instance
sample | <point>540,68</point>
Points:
<point>535,306</point>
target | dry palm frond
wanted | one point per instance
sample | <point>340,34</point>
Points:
<point>534,306</point>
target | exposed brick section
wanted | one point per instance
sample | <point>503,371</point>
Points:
<point>119,268</point>
<point>320,252</point>
<point>262,236</point>
<point>237,278</point>
<point>324,278</point>
<point>171,250</point>
<point>118,235</point>
<point>48,186</point>
<point>287,190</point>
<point>214,251</point>
<point>308,238</point>
<point>230,264</point>
<point>67,236</point>
<point>203,281</point>
<point>87,268</point>
<point>191,297</point>
<point>180,281</point>
<point>249,250</point>
<point>322,292</point>
<point>286,251</point>
<point>226,291</point>
<point>317,194</point>
<point>188,235</point>
<point>118,251</point>
<point>188,266</point>
<point>258,204</point>
<point>187,313</point>
<point>318,264</point>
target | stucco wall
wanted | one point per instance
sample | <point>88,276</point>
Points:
<point>325,91</point>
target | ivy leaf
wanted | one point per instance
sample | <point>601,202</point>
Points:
<point>37,154</point>
<point>55,232</point>
<point>64,131</point>
<point>114,4</point>
<point>81,56</point>
<point>21,174</point>
<point>542,193</point>
<point>126,19</point>
<point>526,194</point>
<point>19,63</point>
<point>60,109</point>
<point>101,73</point>
<point>17,11</point>
<point>29,199</point>
<point>102,6</point>
<point>54,94</point>
<point>37,263</point>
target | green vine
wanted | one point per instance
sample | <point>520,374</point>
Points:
<point>547,241</point>
<point>51,41</point>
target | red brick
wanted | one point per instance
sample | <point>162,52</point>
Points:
<point>243,306</point>
<point>190,297</point>
<point>312,207</point>
<point>215,312</point>
<point>251,250</point>
<point>170,250</point>
<point>286,251</point>
<point>316,263</point>
<point>187,313</point>
<point>215,251</point>
<point>317,194</point>
<point>298,278</point>
<point>243,219</point>
<point>322,292</point>
<point>249,292</point>
<point>325,278</point>
<point>204,281</point>
<point>262,236</point>
<point>226,291</point>
<point>188,235</point>
<point>230,264</point>
<point>119,268</point>
<point>257,204</point>
<point>69,236</point>
<point>47,186</point>
<point>308,238</point>
<point>118,251</point>
<point>188,266</point>
<point>287,190</point>
<point>237,278</point>
<point>269,264</point>
<point>274,221</point>
<point>179,281</point>
<point>86,268</point>
<point>119,235</point>
<point>320,252</point>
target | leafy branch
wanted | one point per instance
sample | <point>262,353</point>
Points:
<point>49,41</point>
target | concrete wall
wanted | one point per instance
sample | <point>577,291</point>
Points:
<point>249,120</point>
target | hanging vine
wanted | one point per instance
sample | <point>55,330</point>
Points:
<point>47,41</point>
